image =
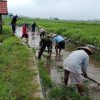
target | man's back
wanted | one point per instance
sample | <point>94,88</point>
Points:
<point>58,38</point>
<point>76,60</point>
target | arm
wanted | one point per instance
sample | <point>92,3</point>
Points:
<point>54,39</point>
<point>84,66</point>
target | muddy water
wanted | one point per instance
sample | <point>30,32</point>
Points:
<point>55,65</point>
<point>93,72</point>
<point>33,41</point>
<point>93,69</point>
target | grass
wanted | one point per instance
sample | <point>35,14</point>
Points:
<point>6,32</point>
<point>46,80</point>
<point>15,73</point>
<point>83,32</point>
<point>65,93</point>
<point>61,92</point>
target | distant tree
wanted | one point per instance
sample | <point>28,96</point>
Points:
<point>55,18</point>
<point>11,15</point>
<point>50,17</point>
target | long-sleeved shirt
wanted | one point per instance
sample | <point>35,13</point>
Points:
<point>58,39</point>
<point>77,62</point>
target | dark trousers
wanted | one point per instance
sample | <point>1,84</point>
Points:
<point>42,49</point>
<point>13,28</point>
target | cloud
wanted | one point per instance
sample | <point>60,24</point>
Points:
<point>67,9</point>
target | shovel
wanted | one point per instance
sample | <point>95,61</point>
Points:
<point>92,80</point>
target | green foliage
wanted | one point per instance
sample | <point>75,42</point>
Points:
<point>65,93</point>
<point>15,75</point>
<point>34,50</point>
<point>84,32</point>
<point>6,32</point>
<point>45,77</point>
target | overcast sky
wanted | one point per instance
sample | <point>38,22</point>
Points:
<point>64,9</point>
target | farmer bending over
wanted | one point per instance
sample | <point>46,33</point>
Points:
<point>60,43</point>
<point>75,65</point>
<point>45,42</point>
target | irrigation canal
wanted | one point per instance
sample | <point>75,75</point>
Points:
<point>55,65</point>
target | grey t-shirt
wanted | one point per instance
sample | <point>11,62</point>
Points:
<point>76,62</point>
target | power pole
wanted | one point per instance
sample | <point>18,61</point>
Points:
<point>0,23</point>
<point>3,11</point>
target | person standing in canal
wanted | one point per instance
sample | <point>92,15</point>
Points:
<point>45,42</point>
<point>60,43</point>
<point>42,32</point>
<point>13,23</point>
<point>33,28</point>
<point>25,32</point>
<point>75,65</point>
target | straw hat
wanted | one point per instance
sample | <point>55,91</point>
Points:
<point>48,35</point>
<point>86,48</point>
<point>53,35</point>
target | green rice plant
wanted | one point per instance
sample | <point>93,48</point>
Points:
<point>65,93</point>
<point>87,32</point>
<point>44,75</point>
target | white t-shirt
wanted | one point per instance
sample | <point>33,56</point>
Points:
<point>41,30</point>
<point>77,62</point>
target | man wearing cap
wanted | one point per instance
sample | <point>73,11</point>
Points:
<point>60,43</point>
<point>75,65</point>
<point>45,42</point>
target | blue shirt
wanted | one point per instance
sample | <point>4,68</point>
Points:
<point>58,39</point>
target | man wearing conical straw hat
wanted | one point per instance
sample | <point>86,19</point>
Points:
<point>75,65</point>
